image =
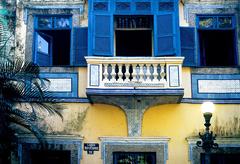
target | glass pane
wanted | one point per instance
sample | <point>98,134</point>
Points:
<point>207,22</point>
<point>44,22</point>
<point>62,22</point>
<point>225,22</point>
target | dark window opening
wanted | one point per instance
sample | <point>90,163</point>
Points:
<point>220,158</point>
<point>134,43</point>
<point>134,157</point>
<point>50,157</point>
<point>133,35</point>
<point>217,47</point>
<point>60,49</point>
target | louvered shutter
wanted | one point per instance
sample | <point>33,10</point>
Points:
<point>79,46</point>
<point>188,48</point>
<point>103,35</point>
<point>164,35</point>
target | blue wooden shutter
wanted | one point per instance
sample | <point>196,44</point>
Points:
<point>103,35</point>
<point>43,49</point>
<point>79,46</point>
<point>188,48</point>
<point>164,35</point>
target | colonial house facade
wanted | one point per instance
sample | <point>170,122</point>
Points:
<point>132,75</point>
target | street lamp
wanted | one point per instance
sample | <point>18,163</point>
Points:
<point>207,139</point>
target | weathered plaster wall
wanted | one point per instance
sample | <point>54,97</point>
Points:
<point>20,33</point>
<point>176,121</point>
<point>180,121</point>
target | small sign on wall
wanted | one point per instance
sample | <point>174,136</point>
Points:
<point>91,147</point>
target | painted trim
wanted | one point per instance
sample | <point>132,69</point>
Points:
<point>216,16</point>
<point>136,143</point>
<point>195,90</point>
<point>74,83</point>
<point>200,101</point>
<point>134,92</point>
<point>189,7</point>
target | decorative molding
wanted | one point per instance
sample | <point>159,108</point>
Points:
<point>190,10</point>
<point>60,80</point>
<point>216,86</point>
<point>219,86</point>
<point>100,6</point>
<point>71,143</point>
<point>200,101</point>
<point>137,144</point>
<point>94,75</point>
<point>226,145</point>
<point>133,84</point>
<point>123,6</point>
<point>166,6</point>
<point>174,78</point>
<point>143,6</point>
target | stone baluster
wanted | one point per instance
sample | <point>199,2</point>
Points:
<point>141,73</point>
<point>127,73</point>
<point>113,73</point>
<point>162,73</point>
<point>148,72</point>
<point>155,73</point>
<point>120,73</point>
<point>134,73</point>
<point>105,73</point>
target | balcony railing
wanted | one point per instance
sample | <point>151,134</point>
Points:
<point>134,72</point>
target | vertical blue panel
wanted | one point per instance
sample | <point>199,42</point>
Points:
<point>43,49</point>
<point>188,46</point>
<point>79,46</point>
<point>164,35</point>
<point>103,35</point>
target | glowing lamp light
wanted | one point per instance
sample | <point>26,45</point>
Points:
<point>207,107</point>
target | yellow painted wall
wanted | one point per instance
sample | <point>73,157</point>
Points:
<point>82,82</point>
<point>102,120</point>
<point>176,121</point>
<point>180,121</point>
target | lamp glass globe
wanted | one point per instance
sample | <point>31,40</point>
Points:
<point>207,107</point>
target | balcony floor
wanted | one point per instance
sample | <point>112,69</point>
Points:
<point>121,97</point>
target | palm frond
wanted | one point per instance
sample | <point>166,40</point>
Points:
<point>20,83</point>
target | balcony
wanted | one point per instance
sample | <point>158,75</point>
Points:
<point>134,84</point>
<point>111,78</point>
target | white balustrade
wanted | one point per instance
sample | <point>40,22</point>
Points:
<point>125,72</point>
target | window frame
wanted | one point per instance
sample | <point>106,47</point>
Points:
<point>216,27</point>
<point>53,18</point>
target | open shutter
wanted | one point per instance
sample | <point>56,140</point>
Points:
<point>164,32</point>
<point>43,49</point>
<point>188,48</point>
<point>79,46</point>
<point>103,35</point>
